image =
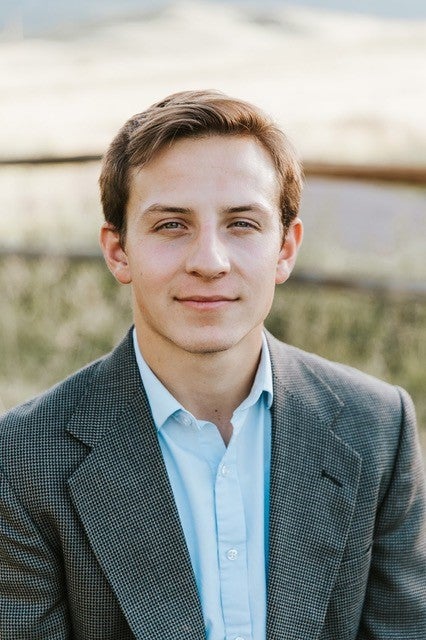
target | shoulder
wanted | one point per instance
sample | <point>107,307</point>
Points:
<point>352,386</point>
<point>35,430</point>
<point>368,414</point>
<point>40,447</point>
<point>54,405</point>
<point>93,393</point>
<point>375,419</point>
<point>36,452</point>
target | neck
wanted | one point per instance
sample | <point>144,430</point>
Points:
<point>209,385</point>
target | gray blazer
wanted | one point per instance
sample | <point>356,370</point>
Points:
<point>91,547</point>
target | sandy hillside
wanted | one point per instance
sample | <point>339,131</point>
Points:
<point>346,88</point>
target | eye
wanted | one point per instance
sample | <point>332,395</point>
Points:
<point>243,224</point>
<point>170,225</point>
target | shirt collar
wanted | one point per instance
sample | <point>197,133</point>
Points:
<point>262,380</point>
<point>163,404</point>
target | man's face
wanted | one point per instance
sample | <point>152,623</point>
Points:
<point>204,244</point>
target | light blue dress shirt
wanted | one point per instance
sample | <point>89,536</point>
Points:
<point>222,495</point>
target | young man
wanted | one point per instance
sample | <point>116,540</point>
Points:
<point>205,480</point>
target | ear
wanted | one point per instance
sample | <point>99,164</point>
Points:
<point>288,254</point>
<point>114,254</point>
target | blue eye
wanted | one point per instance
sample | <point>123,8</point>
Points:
<point>243,224</point>
<point>173,224</point>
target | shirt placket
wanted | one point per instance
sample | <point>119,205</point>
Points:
<point>232,548</point>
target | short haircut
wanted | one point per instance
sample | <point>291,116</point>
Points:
<point>193,114</point>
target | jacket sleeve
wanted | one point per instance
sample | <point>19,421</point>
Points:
<point>32,591</point>
<point>395,604</point>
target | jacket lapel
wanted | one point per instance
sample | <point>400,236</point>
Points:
<point>123,497</point>
<point>314,480</point>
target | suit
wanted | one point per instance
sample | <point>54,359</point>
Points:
<point>91,547</point>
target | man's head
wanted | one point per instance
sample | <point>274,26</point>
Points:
<point>193,114</point>
<point>200,195</point>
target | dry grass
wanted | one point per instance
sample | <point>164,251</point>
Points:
<point>56,316</point>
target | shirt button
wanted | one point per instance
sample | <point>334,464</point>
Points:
<point>232,554</point>
<point>225,470</point>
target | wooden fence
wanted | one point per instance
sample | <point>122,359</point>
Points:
<point>402,175</point>
<point>370,173</point>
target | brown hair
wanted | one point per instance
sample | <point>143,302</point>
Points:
<point>192,114</point>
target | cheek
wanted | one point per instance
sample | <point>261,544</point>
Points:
<point>150,265</point>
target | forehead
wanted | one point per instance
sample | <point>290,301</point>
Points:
<point>217,162</point>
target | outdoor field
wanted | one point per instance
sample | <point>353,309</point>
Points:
<point>63,308</point>
<point>347,87</point>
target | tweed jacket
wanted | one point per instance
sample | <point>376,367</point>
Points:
<point>91,546</point>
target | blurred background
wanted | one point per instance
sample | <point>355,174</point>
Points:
<point>347,85</point>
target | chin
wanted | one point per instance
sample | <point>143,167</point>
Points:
<point>207,347</point>
<point>207,344</point>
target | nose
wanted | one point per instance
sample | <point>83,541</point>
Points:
<point>208,256</point>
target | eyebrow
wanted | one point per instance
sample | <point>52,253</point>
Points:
<point>164,208</point>
<point>245,207</point>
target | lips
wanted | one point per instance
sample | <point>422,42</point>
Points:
<point>194,298</point>
<point>205,302</point>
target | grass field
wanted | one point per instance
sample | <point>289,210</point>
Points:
<point>57,315</point>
